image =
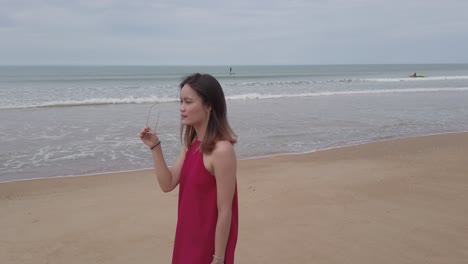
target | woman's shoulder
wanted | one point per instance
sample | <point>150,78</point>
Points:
<point>223,145</point>
<point>223,148</point>
<point>222,156</point>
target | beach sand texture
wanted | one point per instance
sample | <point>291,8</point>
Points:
<point>398,201</point>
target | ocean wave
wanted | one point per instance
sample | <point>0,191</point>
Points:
<point>230,81</point>
<point>97,101</point>
<point>248,96</point>
<point>285,83</point>
<point>412,79</point>
<point>344,80</point>
<point>332,93</point>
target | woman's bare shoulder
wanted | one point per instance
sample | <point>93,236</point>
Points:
<point>223,151</point>
<point>223,146</point>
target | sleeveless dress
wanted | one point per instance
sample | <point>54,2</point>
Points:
<point>198,213</point>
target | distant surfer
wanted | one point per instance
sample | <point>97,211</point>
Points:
<point>415,75</point>
<point>230,70</point>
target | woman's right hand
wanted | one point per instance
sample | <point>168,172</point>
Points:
<point>148,136</point>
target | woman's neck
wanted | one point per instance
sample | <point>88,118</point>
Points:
<point>201,130</point>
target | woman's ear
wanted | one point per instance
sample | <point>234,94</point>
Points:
<point>208,108</point>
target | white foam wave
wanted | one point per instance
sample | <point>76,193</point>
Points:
<point>317,94</point>
<point>98,101</point>
<point>287,83</point>
<point>249,96</point>
<point>412,79</point>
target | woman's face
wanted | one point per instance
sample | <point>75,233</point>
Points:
<point>192,109</point>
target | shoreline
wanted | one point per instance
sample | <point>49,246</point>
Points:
<point>352,144</point>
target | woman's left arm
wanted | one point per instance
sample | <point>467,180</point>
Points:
<point>224,164</point>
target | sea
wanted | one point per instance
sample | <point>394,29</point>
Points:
<point>60,121</point>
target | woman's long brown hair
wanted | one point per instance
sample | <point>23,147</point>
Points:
<point>209,89</point>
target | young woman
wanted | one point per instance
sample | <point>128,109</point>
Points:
<point>205,172</point>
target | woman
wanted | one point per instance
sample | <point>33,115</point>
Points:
<point>206,171</point>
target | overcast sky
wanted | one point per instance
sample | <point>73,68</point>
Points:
<point>237,32</point>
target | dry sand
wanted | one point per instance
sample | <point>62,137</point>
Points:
<point>398,201</point>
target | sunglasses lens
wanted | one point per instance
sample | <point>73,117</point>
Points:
<point>149,115</point>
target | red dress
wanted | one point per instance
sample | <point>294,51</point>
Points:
<point>198,213</point>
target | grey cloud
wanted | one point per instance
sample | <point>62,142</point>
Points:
<point>240,32</point>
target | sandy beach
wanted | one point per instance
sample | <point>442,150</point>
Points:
<point>397,201</point>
